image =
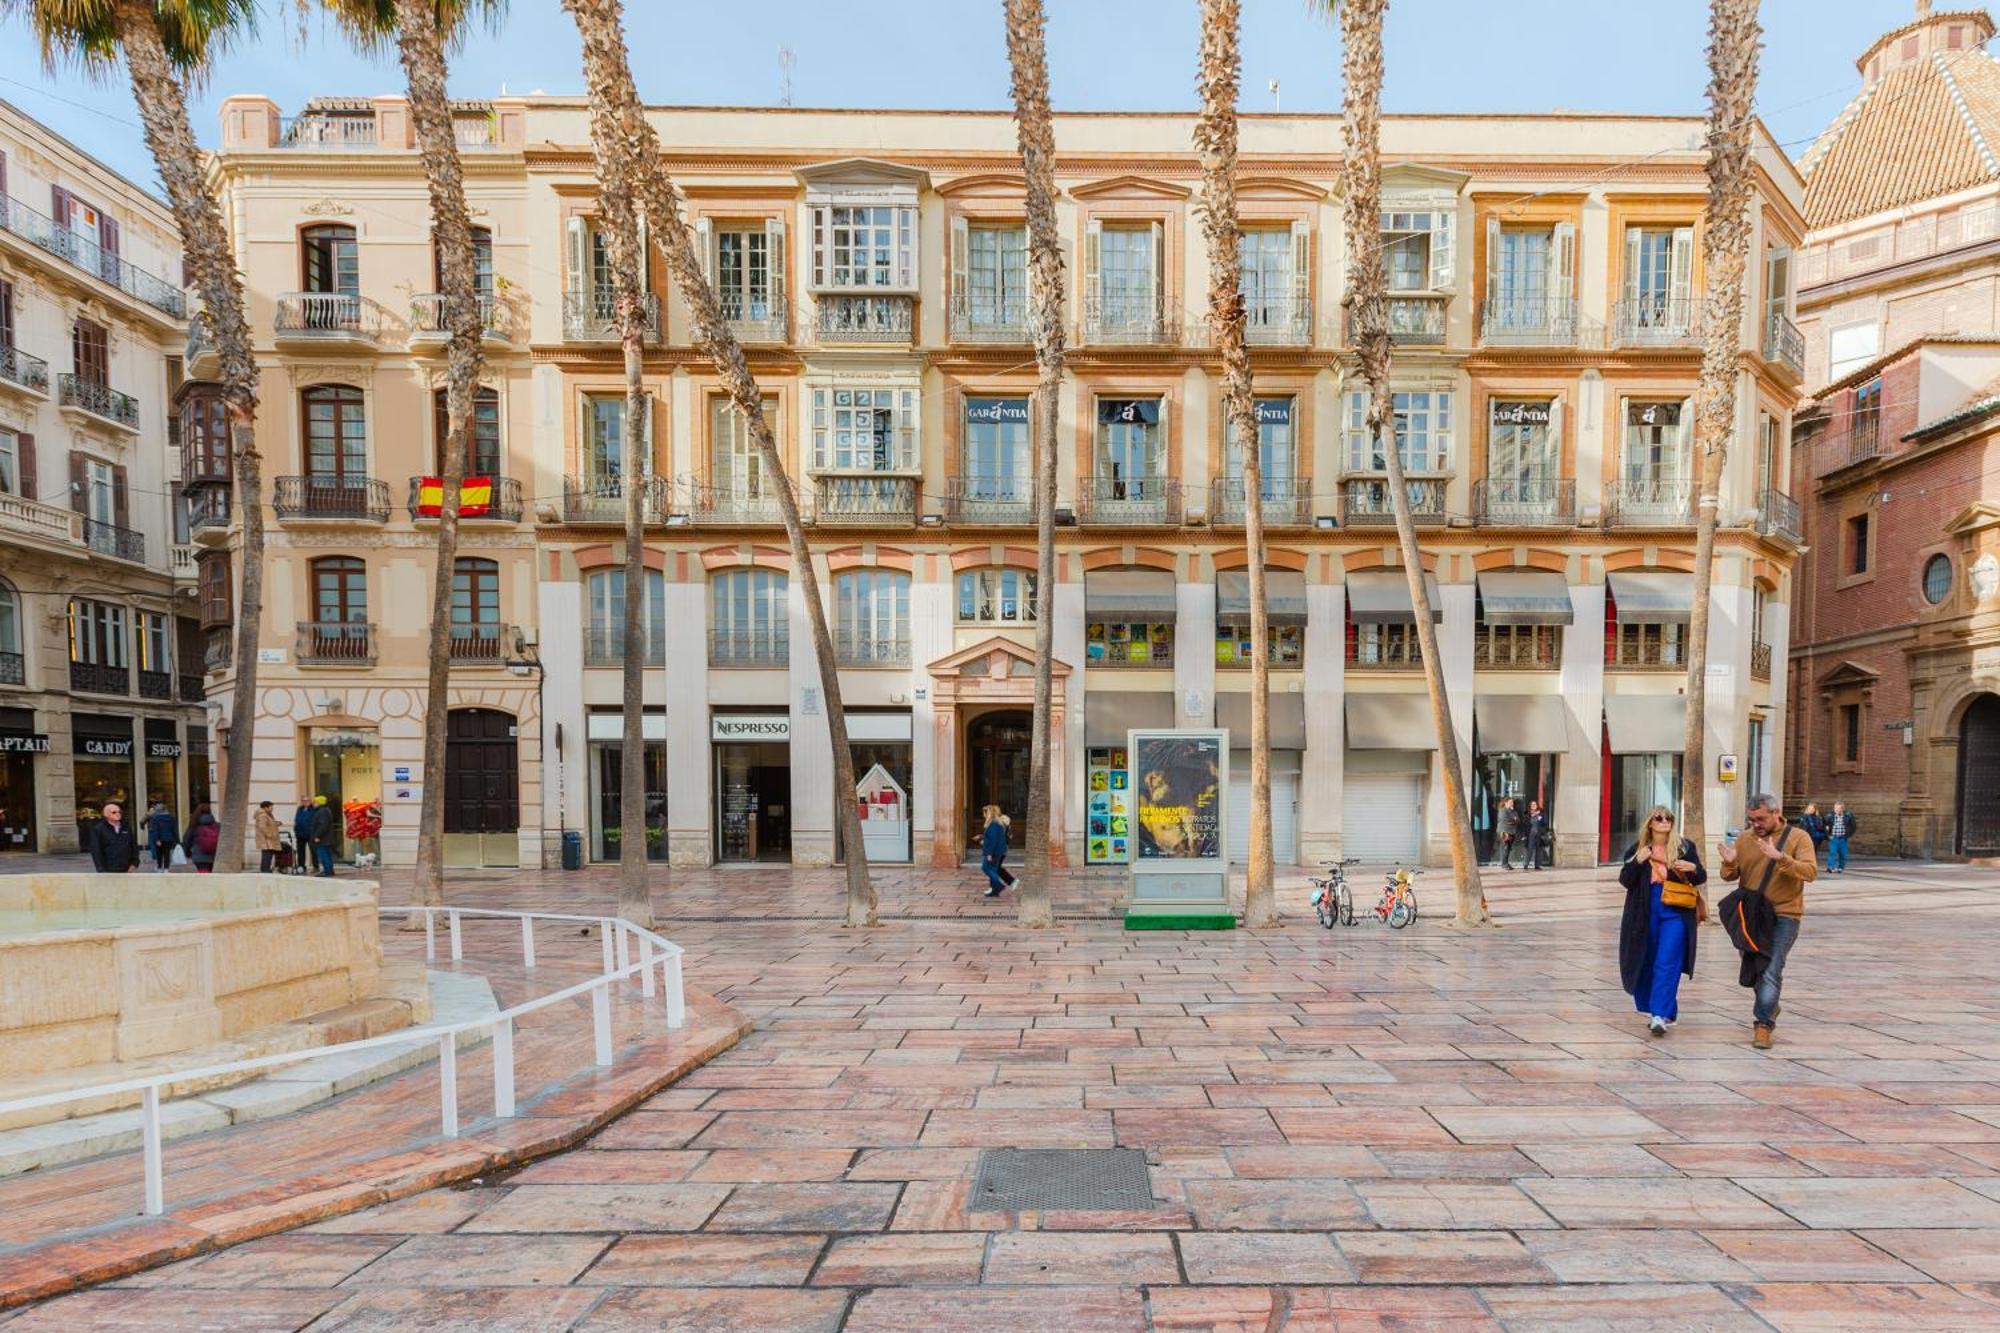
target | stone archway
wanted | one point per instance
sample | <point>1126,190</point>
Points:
<point>996,673</point>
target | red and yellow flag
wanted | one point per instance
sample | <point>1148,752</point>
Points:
<point>475,497</point>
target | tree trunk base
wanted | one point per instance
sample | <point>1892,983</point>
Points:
<point>413,922</point>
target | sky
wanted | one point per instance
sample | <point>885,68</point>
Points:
<point>1642,56</point>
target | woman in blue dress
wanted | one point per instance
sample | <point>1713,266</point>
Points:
<point>1655,941</point>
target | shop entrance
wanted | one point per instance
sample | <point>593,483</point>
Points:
<point>1634,784</point>
<point>347,770</point>
<point>1525,778</point>
<point>753,802</point>
<point>996,772</point>
<point>1979,778</point>
<point>17,802</point>
<point>102,767</point>
<point>482,789</point>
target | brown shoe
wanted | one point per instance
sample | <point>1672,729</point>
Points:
<point>1760,1036</point>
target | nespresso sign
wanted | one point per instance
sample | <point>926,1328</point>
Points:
<point>19,744</point>
<point>101,747</point>
<point>750,727</point>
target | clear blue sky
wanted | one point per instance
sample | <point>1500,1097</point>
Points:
<point>1443,55</point>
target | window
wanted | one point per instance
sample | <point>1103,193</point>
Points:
<point>996,464</point>
<point>97,633</point>
<point>604,443</point>
<point>604,633</point>
<point>1657,439</point>
<point>90,352</point>
<point>1852,346</point>
<point>865,245</point>
<point>1865,425</point>
<point>1423,432</point>
<point>1129,643</point>
<point>1285,645</point>
<point>996,597</point>
<point>1128,260</point>
<point>1275,267</point>
<point>993,276</point>
<point>864,430</point>
<point>475,605</point>
<point>330,260</point>
<point>744,282</point>
<point>212,581</point>
<point>738,462</point>
<point>1522,445</point>
<point>1659,272</point>
<point>204,435</point>
<point>1417,249</point>
<point>1519,280</point>
<point>10,633</point>
<point>10,462</point>
<point>1857,544</point>
<point>1130,456</point>
<point>872,617</point>
<point>482,456</point>
<point>748,618</point>
<point>1277,454</point>
<point>336,432</point>
<point>6,316</point>
<point>1850,734</point>
<point>1639,643</point>
<point>340,590</point>
<point>1501,647</point>
<point>1777,282</point>
<point>1937,578</point>
<point>482,263</point>
<point>100,492</point>
<point>1767,452</point>
<point>154,652</point>
<point>1377,643</point>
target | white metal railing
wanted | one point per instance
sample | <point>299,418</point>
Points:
<point>629,951</point>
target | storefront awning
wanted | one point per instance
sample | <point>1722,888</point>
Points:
<point>1652,598</point>
<point>1524,597</point>
<point>1145,595</point>
<point>1645,723</point>
<point>1108,714</point>
<point>1288,720</point>
<point>1521,723</point>
<point>1284,597</point>
<point>1382,597</point>
<point>1390,722</point>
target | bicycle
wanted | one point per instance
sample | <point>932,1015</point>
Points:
<point>1399,900</point>
<point>1332,899</point>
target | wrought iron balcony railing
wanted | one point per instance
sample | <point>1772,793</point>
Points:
<point>1280,321</point>
<point>1516,647</point>
<point>1649,502</point>
<point>593,317</point>
<point>23,371</point>
<point>40,230</point>
<point>1778,515</point>
<point>98,399</point>
<point>201,341</point>
<point>1655,320</point>
<point>327,315</point>
<point>1414,321</point>
<point>1864,438</point>
<point>1532,322</point>
<point>482,643</point>
<point>96,678</point>
<point>1286,502</point>
<point>1368,501</point>
<point>1784,345</point>
<point>1760,660</point>
<point>110,539</point>
<point>1526,502</point>
<point>1129,502</point>
<point>851,649</point>
<point>996,500</point>
<point>156,684</point>
<point>841,317</point>
<point>208,509</point>
<point>705,501</point>
<point>981,317</point>
<point>767,647</point>
<point>604,642</point>
<point>427,316</point>
<point>504,506</point>
<point>867,499</point>
<point>190,688</point>
<point>355,499</point>
<point>13,669</point>
<point>756,318</point>
<point>1130,320</point>
<point>1385,651</point>
<point>219,649</point>
<point>595,500</point>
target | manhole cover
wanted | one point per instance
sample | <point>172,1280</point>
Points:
<point>1091,1180</point>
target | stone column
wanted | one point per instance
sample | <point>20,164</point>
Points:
<point>1320,782</point>
<point>1579,779</point>
<point>1068,741</point>
<point>690,764</point>
<point>1194,652</point>
<point>931,627</point>
<point>812,748</point>
<point>1455,643</point>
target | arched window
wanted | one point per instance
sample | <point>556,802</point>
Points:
<point>329,260</point>
<point>996,597</point>
<point>604,625</point>
<point>872,618</point>
<point>482,455</point>
<point>475,609</point>
<point>747,624</point>
<point>336,433</point>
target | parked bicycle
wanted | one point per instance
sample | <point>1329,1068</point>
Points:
<point>1399,899</point>
<point>1332,899</point>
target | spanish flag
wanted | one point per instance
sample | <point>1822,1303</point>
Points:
<point>475,497</point>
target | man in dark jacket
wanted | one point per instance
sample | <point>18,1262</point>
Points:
<point>1536,827</point>
<point>322,836</point>
<point>113,847</point>
<point>163,831</point>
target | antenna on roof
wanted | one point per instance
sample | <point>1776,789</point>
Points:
<point>785,62</point>
<point>1275,104</point>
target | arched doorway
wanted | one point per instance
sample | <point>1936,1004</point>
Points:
<point>996,771</point>
<point>482,789</point>
<point>1979,778</point>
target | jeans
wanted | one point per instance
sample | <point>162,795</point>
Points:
<point>264,859</point>
<point>1784,934</point>
<point>1836,854</point>
<point>323,856</point>
<point>1507,852</point>
<point>996,874</point>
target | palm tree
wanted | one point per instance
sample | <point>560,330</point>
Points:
<point>167,44</point>
<point>1732,87</point>
<point>625,134</point>
<point>1367,308</point>
<point>1221,68</point>
<point>1027,57</point>
<point>420,30</point>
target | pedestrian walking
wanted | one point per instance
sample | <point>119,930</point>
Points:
<point>1815,824</point>
<point>321,833</point>
<point>993,851</point>
<point>113,847</point>
<point>1662,875</point>
<point>266,828</point>
<point>1840,827</point>
<point>1537,828</point>
<point>1506,823</point>
<point>1777,859</point>
<point>163,832</point>
<point>204,835</point>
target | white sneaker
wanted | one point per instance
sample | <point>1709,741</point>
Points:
<point>1658,1026</point>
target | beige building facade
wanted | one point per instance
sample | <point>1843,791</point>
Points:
<point>1547,312</point>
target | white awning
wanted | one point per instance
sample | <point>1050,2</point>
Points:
<point>1652,597</point>
<point>1288,720</point>
<point>1524,597</point>
<point>1109,714</point>
<point>1143,595</point>
<point>611,726</point>
<point>1383,597</point>
<point>1646,723</point>
<point>1390,722</point>
<point>1284,597</point>
<point>1521,723</point>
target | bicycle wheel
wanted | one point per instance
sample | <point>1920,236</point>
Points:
<point>1403,911</point>
<point>1327,911</point>
<point>1345,909</point>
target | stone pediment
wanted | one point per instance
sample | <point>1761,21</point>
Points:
<point>1848,673</point>
<point>1129,187</point>
<point>1975,517</point>
<point>996,658</point>
<point>987,185</point>
<point>863,171</point>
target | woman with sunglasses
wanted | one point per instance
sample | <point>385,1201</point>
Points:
<point>1656,937</point>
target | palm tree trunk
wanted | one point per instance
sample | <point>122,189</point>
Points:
<point>615,100</point>
<point>1221,69</point>
<point>1028,59</point>
<point>421,48</point>
<point>1732,88</point>
<point>169,136</point>
<point>1361,30</point>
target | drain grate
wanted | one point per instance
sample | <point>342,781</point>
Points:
<point>1090,1180</point>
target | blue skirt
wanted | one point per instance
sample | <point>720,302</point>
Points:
<point>1666,950</point>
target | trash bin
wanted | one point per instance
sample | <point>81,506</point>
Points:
<point>572,851</point>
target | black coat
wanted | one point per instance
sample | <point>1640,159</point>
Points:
<point>1749,920</point>
<point>112,851</point>
<point>1635,928</point>
<point>321,829</point>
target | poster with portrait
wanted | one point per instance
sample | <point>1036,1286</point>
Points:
<point>1177,795</point>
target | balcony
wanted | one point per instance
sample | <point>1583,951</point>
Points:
<point>219,650</point>
<point>1536,502</point>
<point>156,684</point>
<point>112,540</point>
<point>1286,503</point>
<point>328,130</point>
<point>1516,648</point>
<point>1778,516</point>
<point>181,558</point>
<point>1656,321</point>
<point>334,643</point>
<point>604,643</point>
<point>1864,439</point>
<point>202,356</point>
<point>1650,651</point>
<point>1414,321</point>
<point>41,231</point>
<point>1385,648</point>
<point>730,503</point>
<point>1649,502</point>
<point>846,318</point>
<point>1543,322</point>
<point>482,644</point>
<point>1760,660</point>
<point>35,519</point>
<point>868,499</point>
<point>95,678</point>
<point>989,319</point>
<point>428,328</point>
<point>95,401</point>
<point>1141,502</point>
<point>13,669</point>
<point>1279,322</point>
<point>995,501</point>
<point>331,500</point>
<point>503,507</point>
<point>21,373</point>
<point>851,649</point>
<point>191,689</point>
<point>1369,502</point>
<point>593,318</point>
<point>327,320</point>
<point>1130,321</point>
<point>601,500</point>
<point>755,318</point>
<point>1784,345</point>
<point>208,515</point>
<point>768,646</point>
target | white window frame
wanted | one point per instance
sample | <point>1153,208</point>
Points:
<point>155,648</point>
<point>1524,453</point>
<point>604,608</point>
<point>97,633</point>
<point>831,417</point>
<point>1012,449</point>
<point>1103,450</point>
<point>1638,456</point>
<point>10,463</point>
<point>750,606</point>
<point>890,219</point>
<point>987,588</point>
<point>1434,219</point>
<point>1277,443</point>
<point>872,610</point>
<point>10,619</point>
<point>736,464</point>
<point>990,273</point>
<point>1433,449</point>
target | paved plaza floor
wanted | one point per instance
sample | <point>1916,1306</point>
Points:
<point>1357,1128</point>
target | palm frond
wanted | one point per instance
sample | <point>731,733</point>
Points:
<point>84,33</point>
<point>372,24</point>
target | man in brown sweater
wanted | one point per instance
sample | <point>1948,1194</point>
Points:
<point>1769,842</point>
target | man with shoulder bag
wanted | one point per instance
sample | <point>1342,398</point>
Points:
<point>1778,860</point>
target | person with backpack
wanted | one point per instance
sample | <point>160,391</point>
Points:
<point>1662,875</point>
<point>1840,826</point>
<point>1775,861</point>
<point>204,835</point>
<point>163,831</point>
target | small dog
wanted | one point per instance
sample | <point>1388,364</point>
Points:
<point>365,860</point>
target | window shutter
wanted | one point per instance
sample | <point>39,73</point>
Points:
<point>1093,245</point>
<point>1562,255</point>
<point>1777,281</point>
<point>1681,283</point>
<point>646,415</point>
<point>1687,440</point>
<point>774,242</point>
<point>79,499</point>
<point>1492,259</point>
<point>822,262</point>
<point>1301,273</point>
<point>961,265</point>
<point>59,205</point>
<point>704,248</point>
<point>1631,263</point>
<point>906,256</point>
<point>1550,463</point>
<point>1443,274</point>
<point>120,514</point>
<point>1156,463</point>
<point>107,234</point>
<point>1159,264</point>
<point>24,448</point>
<point>579,257</point>
<point>1356,433</point>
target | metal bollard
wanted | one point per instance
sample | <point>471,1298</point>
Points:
<point>503,1069</point>
<point>149,1122</point>
<point>600,1020</point>
<point>448,1084</point>
<point>676,998</point>
<point>457,944</point>
<point>528,943</point>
